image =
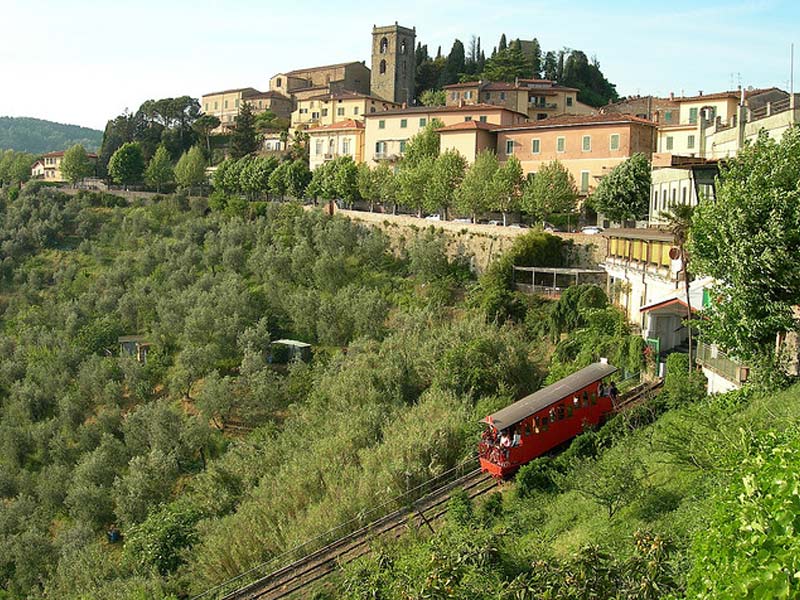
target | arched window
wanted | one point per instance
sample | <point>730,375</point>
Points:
<point>383,67</point>
<point>403,47</point>
<point>384,45</point>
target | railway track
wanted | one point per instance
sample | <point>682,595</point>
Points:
<point>423,512</point>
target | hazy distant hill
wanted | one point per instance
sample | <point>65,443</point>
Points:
<point>25,134</point>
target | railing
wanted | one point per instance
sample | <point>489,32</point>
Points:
<point>716,360</point>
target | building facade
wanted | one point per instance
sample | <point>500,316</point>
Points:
<point>327,109</point>
<point>48,168</point>
<point>343,138</point>
<point>537,98</point>
<point>225,105</point>
<point>393,63</point>
<point>387,133</point>
<point>350,76</point>
<point>589,146</point>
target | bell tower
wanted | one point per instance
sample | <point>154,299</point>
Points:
<point>393,63</point>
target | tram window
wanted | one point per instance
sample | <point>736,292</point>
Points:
<point>527,429</point>
<point>560,411</point>
<point>569,411</point>
<point>594,398</point>
<point>585,399</point>
<point>575,401</point>
<point>552,415</point>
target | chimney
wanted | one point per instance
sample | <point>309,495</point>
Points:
<point>672,95</point>
<point>699,92</point>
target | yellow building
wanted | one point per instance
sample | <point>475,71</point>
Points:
<point>225,105</point>
<point>537,98</point>
<point>326,109</point>
<point>343,138</point>
<point>386,133</point>
<point>48,167</point>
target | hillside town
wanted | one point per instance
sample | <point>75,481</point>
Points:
<point>427,324</point>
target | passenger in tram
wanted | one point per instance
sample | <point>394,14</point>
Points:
<point>602,392</point>
<point>516,439</point>
<point>613,391</point>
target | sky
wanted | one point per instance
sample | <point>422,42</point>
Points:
<point>86,61</point>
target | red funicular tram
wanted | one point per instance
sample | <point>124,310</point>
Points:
<point>543,420</point>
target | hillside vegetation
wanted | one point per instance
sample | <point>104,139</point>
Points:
<point>209,459</point>
<point>37,136</point>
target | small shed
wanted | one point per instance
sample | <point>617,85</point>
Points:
<point>283,351</point>
<point>134,345</point>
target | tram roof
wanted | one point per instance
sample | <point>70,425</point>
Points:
<point>514,413</point>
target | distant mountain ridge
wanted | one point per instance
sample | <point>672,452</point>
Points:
<point>26,134</point>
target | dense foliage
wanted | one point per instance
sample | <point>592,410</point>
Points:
<point>748,240</point>
<point>624,194</point>
<point>38,136</point>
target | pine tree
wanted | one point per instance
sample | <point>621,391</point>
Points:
<point>536,59</point>
<point>503,44</point>
<point>190,172</point>
<point>244,140</point>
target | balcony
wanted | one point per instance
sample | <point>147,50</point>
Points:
<point>714,359</point>
<point>542,105</point>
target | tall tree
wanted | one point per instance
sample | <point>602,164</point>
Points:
<point>386,182</point>
<point>475,194</point>
<point>578,72</point>
<point>507,65</point>
<point>446,175</point>
<point>748,240</point>
<point>412,181</point>
<point>203,126</point>
<point>368,187</point>
<point>297,178</point>
<point>535,59</point>
<point>277,181</point>
<point>345,180</point>
<point>126,166</point>
<point>454,65</point>
<point>550,66</point>
<point>424,144</point>
<point>502,45</point>
<point>506,187</point>
<point>244,139</point>
<point>624,193</point>
<point>433,98</point>
<point>76,164</point>
<point>552,190</point>
<point>190,172</point>
<point>159,171</point>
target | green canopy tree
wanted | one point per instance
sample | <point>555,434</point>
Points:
<point>159,171</point>
<point>412,181</point>
<point>345,180</point>
<point>506,186</point>
<point>552,190</point>
<point>507,64</point>
<point>368,187</point>
<point>624,193</point>
<point>424,144</point>
<point>386,184</point>
<point>190,172</point>
<point>126,166</point>
<point>76,164</point>
<point>297,178</point>
<point>432,97</point>
<point>748,240</point>
<point>277,181</point>
<point>446,175</point>
<point>474,195</point>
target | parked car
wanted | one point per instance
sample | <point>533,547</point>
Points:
<point>591,229</point>
<point>549,227</point>
<point>433,218</point>
<point>495,222</point>
<point>518,226</point>
<point>462,220</point>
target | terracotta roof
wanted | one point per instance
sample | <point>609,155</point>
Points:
<point>348,95</point>
<point>322,68</point>
<point>347,124</point>
<point>443,109</point>
<point>463,84</point>
<point>537,81</point>
<point>249,90</point>
<point>569,120</point>
<point>470,126</point>
<point>61,153</point>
